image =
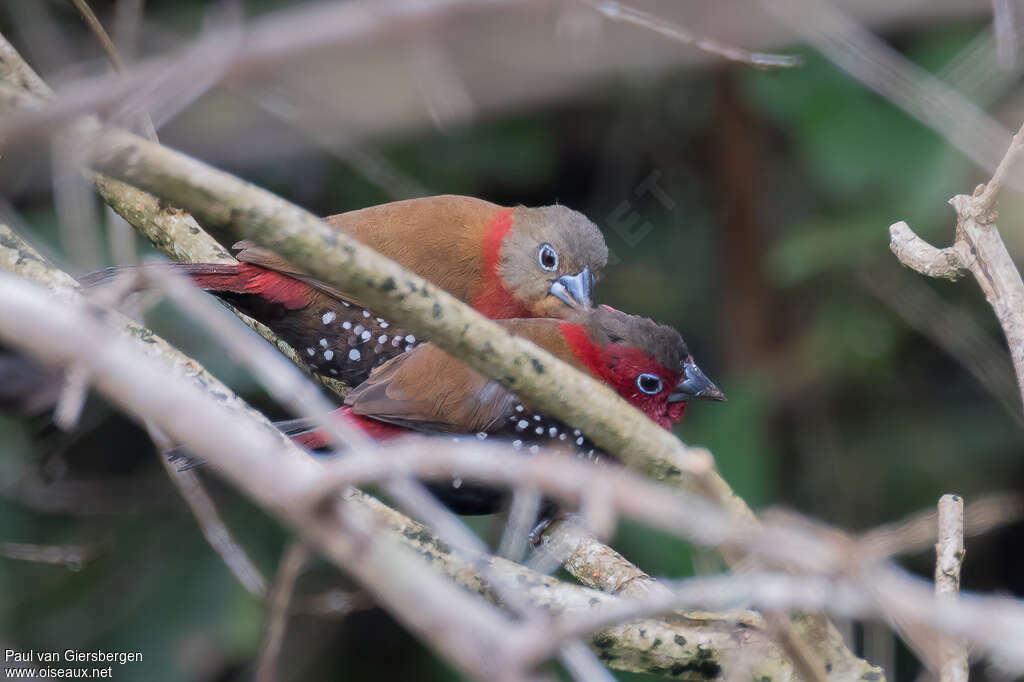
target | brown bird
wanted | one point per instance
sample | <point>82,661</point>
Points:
<point>505,262</point>
<point>426,390</point>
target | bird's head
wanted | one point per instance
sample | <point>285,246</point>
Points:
<point>551,258</point>
<point>647,363</point>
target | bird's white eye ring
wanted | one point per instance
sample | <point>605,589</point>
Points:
<point>649,383</point>
<point>547,257</point>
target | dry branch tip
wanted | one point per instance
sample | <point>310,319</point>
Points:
<point>919,255</point>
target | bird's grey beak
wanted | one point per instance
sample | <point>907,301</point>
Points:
<point>576,291</point>
<point>695,386</point>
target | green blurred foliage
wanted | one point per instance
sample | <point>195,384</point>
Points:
<point>840,410</point>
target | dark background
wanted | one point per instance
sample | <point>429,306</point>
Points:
<point>766,245</point>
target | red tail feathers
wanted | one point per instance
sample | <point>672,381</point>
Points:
<point>246,278</point>
<point>302,432</point>
<point>240,278</point>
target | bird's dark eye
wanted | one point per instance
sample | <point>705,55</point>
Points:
<point>649,383</point>
<point>547,257</point>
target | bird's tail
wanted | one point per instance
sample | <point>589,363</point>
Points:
<point>304,433</point>
<point>231,278</point>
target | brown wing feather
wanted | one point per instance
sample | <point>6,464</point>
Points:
<point>427,389</point>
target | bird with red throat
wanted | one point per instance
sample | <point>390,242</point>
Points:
<point>427,391</point>
<point>506,262</point>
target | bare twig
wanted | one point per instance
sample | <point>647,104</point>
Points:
<point>949,557</point>
<point>867,58</point>
<point>918,531</point>
<point>128,16</point>
<point>292,562</point>
<point>208,518</point>
<point>951,328</point>
<point>522,515</point>
<point>71,400</point>
<point>617,11</point>
<point>978,248</point>
<point>918,254</point>
<point>70,555</point>
<point>1004,18</point>
<point>77,216</point>
<point>221,56</point>
<point>101,33</point>
<point>20,74</point>
<point>332,603</point>
<point>110,48</point>
<point>595,564</point>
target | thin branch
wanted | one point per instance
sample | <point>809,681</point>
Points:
<point>128,16</point>
<point>951,328</point>
<point>979,248</point>
<point>113,55</point>
<point>522,515</point>
<point>595,564</point>
<point>20,74</point>
<point>220,56</point>
<point>916,532</point>
<point>71,399</point>
<point>919,255</point>
<point>987,200</point>
<point>293,560</point>
<point>949,557</point>
<point>203,509</point>
<point>866,57</point>
<point>617,11</point>
<point>69,555</point>
<point>332,603</point>
<point>101,33</point>
<point>1004,19</point>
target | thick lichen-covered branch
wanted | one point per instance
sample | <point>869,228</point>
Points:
<point>675,647</point>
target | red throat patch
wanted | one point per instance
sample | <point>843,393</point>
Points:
<point>494,299</point>
<point>618,366</point>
